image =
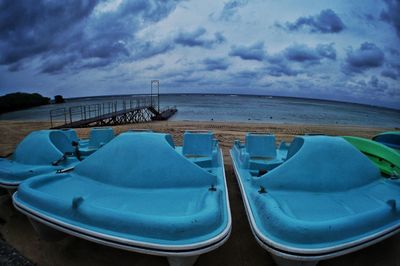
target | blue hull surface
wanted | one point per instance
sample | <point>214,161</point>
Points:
<point>141,193</point>
<point>327,199</point>
<point>39,153</point>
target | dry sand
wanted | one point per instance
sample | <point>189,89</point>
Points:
<point>240,249</point>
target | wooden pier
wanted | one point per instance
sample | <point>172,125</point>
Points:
<point>128,110</point>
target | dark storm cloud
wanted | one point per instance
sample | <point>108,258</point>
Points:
<point>326,50</point>
<point>247,74</point>
<point>154,67</point>
<point>392,14</point>
<point>393,51</point>
<point>215,64</point>
<point>55,65</point>
<point>96,63</point>
<point>279,70</point>
<point>244,77</point>
<point>197,38</point>
<point>28,28</point>
<point>149,49</point>
<point>303,53</point>
<point>388,73</point>
<point>67,35</point>
<point>392,70</point>
<point>327,21</point>
<point>367,56</point>
<point>377,84</point>
<point>369,17</point>
<point>284,62</point>
<point>252,52</point>
<point>279,66</point>
<point>15,67</point>
<point>230,9</point>
<point>187,79</point>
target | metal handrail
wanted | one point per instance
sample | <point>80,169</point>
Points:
<point>83,112</point>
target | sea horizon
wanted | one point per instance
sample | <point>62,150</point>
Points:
<point>234,94</point>
<point>223,107</point>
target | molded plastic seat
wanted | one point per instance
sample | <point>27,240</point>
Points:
<point>135,188</point>
<point>40,152</point>
<point>71,134</point>
<point>201,148</point>
<point>260,145</point>
<point>326,198</point>
<point>259,152</point>
<point>73,138</point>
<point>198,143</point>
<point>98,138</point>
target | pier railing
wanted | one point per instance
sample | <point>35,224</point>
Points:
<point>68,115</point>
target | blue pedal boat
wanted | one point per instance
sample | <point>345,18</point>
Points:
<point>390,139</point>
<point>327,199</point>
<point>138,193</point>
<point>40,152</point>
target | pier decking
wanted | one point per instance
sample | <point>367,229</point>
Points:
<point>135,109</point>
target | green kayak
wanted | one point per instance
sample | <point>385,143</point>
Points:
<point>387,159</point>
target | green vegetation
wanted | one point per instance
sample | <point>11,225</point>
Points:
<point>17,101</point>
<point>59,99</point>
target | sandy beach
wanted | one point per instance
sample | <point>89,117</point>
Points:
<point>240,249</point>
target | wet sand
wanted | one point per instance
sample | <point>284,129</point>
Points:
<point>240,249</point>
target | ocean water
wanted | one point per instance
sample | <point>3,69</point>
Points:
<point>238,108</point>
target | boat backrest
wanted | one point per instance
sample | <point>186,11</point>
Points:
<point>42,147</point>
<point>198,143</point>
<point>260,145</point>
<point>143,160</point>
<point>321,164</point>
<point>294,147</point>
<point>71,134</point>
<point>61,141</point>
<point>100,136</point>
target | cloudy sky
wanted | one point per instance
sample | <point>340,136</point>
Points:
<point>341,50</point>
